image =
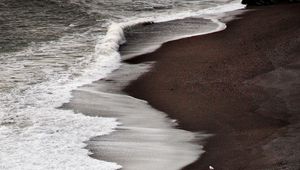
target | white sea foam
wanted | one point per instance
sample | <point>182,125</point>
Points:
<point>34,134</point>
<point>49,139</point>
<point>212,13</point>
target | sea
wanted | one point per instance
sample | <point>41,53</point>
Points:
<point>61,79</point>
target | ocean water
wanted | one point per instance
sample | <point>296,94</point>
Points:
<point>50,47</point>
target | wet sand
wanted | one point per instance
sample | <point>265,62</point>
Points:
<point>241,84</point>
<point>145,138</point>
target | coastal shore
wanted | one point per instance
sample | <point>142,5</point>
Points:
<point>240,84</point>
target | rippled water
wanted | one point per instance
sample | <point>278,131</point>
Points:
<point>61,36</point>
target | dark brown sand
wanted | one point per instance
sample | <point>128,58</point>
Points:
<point>241,84</point>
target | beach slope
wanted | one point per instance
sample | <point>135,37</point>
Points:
<point>240,84</point>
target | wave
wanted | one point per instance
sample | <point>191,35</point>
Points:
<point>36,134</point>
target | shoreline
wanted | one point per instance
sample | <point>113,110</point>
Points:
<point>142,131</point>
<point>141,126</point>
<point>200,83</point>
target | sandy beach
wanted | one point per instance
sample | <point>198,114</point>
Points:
<point>240,84</point>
